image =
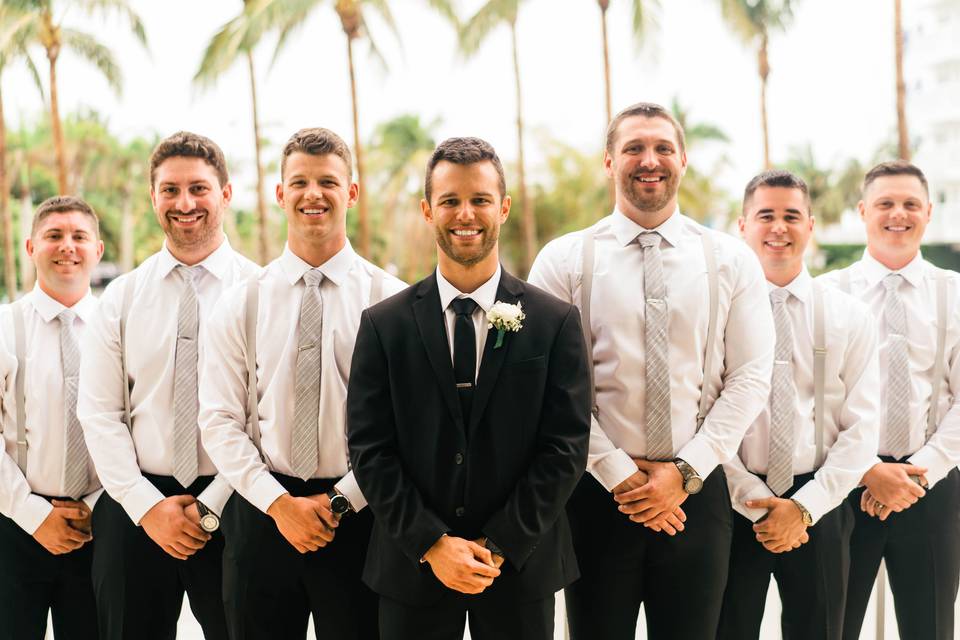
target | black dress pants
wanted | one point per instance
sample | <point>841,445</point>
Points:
<point>679,579</point>
<point>139,587</point>
<point>920,548</point>
<point>812,580</point>
<point>270,589</point>
<point>34,582</point>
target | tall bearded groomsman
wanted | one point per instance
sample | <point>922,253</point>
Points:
<point>682,337</point>
<point>273,413</point>
<point>468,414</point>
<point>157,527</point>
<point>47,484</point>
<point>908,514</point>
<point>814,441</point>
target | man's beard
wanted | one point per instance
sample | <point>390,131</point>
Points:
<point>197,236</point>
<point>653,202</point>
<point>445,242</point>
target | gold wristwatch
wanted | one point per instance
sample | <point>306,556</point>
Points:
<point>807,518</point>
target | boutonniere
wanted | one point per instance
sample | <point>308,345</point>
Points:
<point>504,317</point>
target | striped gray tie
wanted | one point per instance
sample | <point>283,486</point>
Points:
<point>76,457</point>
<point>783,400</point>
<point>304,441</point>
<point>185,380</point>
<point>898,370</point>
<point>657,349</point>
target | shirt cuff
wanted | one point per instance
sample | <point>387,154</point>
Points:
<point>140,499</point>
<point>215,496</point>
<point>613,468</point>
<point>759,492</point>
<point>814,499</point>
<point>31,514</point>
<point>699,454</point>
<point>265,491</point>
<point>91,498</point>
<point>936,463</point>
<point>351,490</point>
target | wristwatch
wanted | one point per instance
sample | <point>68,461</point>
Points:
<point>807,518</point>
<point>493,548</point>
<point>339,504</point>
<point>692,482</point>
<point>209,521</point>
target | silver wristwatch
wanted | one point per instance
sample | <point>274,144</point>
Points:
<point>692,482</point>
<point>209,521</point>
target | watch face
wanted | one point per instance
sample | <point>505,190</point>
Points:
<point>209,523</point>
<point>339,504</point>
<point>693,485</point>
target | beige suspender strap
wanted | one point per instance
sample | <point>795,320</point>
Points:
<point>710,257</point>
<point>376,287</point>
<point>128,291</point>
<point>586,289</point>
<point>941,353</point>
<point>20,339</point>
<point>819,362</point>
<point>251,309</point>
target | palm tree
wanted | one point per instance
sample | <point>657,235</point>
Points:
<point>752,21</point>
<point>699,189</point>
<point>239,37</point>
<point>54,38</point>
<point>903,139</point>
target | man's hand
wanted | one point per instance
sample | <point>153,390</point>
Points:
<point>782,529</point>
<point>57,533</point>
<point>302,522</point>
<point>890,484</point>
<point>498,559</point>
<point>81,524</point>
<point>168,525</point>
<point>462,565</point>
<point>656,500</point>
<point>670,523</point>
<point>331,519</point>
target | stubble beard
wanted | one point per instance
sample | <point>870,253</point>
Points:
<point>446,245</point>
<point>652,203</point>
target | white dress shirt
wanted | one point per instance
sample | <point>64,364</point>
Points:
<point>345,289</point>
<point>851,410</point>
<point>485,296</point>
<point>919,295</point>
<point>743,350</point>
<point>43,388</point>
<point>121,455</point>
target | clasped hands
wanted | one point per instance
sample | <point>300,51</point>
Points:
<point>892,486</point>
<point>781,529</point>
<point>652,496</point>
<point>307,523</point>
<point>463,565</point>
<point>66,528</point>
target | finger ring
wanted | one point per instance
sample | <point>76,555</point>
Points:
<point>879,506</point>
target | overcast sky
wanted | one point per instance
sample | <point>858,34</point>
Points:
<point>831,83</point>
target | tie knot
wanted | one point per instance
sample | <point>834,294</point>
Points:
<point>779,296</point>
<point>892,281</point>
<point>187,274</point>
<point>648,240</point>
<point>66,317</point>
<point>313,278</point>
<point>463,306</point>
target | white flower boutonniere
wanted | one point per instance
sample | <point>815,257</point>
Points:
<point>504,317</point>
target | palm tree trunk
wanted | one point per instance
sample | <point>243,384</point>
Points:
<point>527,215</point>
<point>362,220</point>
<point>604,5</point>
<point>26,218</point>
<point>903,138</point>
<point>56,127</point>
<point>263,232</point>
<point>9,254</point>
<point>764,68</point>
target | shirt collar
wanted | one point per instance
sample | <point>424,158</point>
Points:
<point>335,269</point>
<point>874,271</point>
<point>799,287</point>
<point>485,295</point>
<point>48,308</point>
<point>626,230</point>
<point>216,263</point>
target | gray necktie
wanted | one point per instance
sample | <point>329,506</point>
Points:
<point>75,459</point>
<point>185,402</point>
<point>304,445</point>
<point>657,351</point>
<point>783,400</point>
<point>898,370</point>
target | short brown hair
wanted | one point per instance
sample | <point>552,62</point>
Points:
<point>184,144</point>
<point>317,141</point>
<point>645,110</point>
<point>64,204</point>
<point>779,179</point>
<point>463,151</point>
<point>895,168</point>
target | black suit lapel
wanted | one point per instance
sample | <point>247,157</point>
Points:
<point>510,290</point>
<point>433,334</point>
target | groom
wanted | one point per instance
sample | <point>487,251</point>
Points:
<point>468,430</point>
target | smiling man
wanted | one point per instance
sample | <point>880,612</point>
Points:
<point>138,405</point>
<point>296,529</point>
<point>807,449</point>
<point>47,484</point>
<point>681,337</point>
<point>908,514</point>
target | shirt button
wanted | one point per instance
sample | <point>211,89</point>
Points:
<point>460,511</point>
<point>458,458</point>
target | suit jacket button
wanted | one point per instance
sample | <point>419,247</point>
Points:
<point>460,511</point>
<point>458,458</point>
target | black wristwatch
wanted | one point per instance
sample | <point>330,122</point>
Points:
<point>493,548</point>
<point>339,504</point>
<point>692,482</point>
<point>209,521</point>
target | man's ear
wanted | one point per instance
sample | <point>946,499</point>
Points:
<point>426,211</point>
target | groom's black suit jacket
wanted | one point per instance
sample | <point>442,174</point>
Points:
<point>504,472</point>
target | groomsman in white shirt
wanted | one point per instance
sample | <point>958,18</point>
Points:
<point>682,341</point>
<point>157,527</point>
<point>297,529</point>
<point>908,514</point>
<point>813,442</point>
<point>47,484</point>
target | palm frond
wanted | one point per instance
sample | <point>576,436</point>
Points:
<point>446,9</point>
<point>221,52</point>
<point>374,49</point>
<point>121,8</point>
<point>382,7</point>
<point>34,73</point>
<point>486,19</point>
<point>739,16</point>
<point>97,54</point>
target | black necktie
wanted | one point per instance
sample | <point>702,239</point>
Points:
<point>464,352</point>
